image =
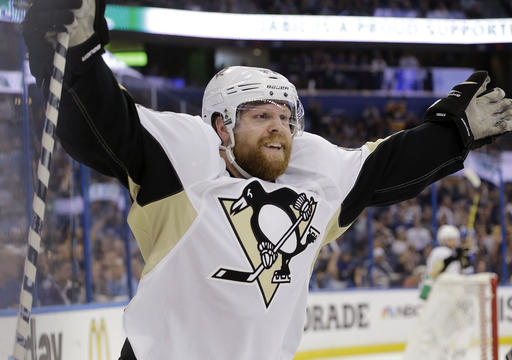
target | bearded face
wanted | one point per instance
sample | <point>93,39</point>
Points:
<point>267,159</point>
<point>263,140</point>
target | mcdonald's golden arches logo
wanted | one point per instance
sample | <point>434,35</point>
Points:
<point>98,340</point>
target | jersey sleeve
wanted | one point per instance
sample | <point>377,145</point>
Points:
<point>99,126</point>
<point>401,166</point>
<point>190,144</point>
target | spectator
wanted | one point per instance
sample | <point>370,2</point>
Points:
<point>55,289</point>
<point>99,282</point>
<point>10,278</point>
<point>413,280</point>
<point>117,282</point>
<point>445,213</point>
<point>399,245</point>
<point>417,236</point>
<point>383,274</point>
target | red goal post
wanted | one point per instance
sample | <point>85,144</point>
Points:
<point>458,321</point>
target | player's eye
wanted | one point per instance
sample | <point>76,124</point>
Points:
<point>285,118</point>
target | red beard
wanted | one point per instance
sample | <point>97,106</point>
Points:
<point>257,163</point>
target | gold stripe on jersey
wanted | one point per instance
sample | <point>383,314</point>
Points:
<point>133,188</point>
<point>332,232</point>
<point>372,145</point>
<point>156,234</point>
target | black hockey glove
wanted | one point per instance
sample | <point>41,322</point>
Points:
<point>463,256</point>
<point>87,35</point>
<point>447,262</point>
<point>480,114</point>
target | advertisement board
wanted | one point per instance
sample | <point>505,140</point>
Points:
<point>282,27</point>
<point>337,323</point>
<point>84,333</point>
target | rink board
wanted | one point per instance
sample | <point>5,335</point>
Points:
<point>373,321</point>
<point>338,323</point>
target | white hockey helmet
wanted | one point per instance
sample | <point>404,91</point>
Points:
<point>235,86</point>
<point>238,85</point>
<point>447,233</point>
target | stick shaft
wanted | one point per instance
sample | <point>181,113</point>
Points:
<point>244,276</point>
<point>472,212</point>
<point>280,243</point>
<point>39,199</point>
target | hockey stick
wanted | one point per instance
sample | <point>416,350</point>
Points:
<point>475,181</point>
<point>39,199</point>
<point>243,276</point>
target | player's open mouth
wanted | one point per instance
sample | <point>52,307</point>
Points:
<point>274,146</point>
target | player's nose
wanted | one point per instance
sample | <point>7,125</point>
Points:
<point>276,123</point>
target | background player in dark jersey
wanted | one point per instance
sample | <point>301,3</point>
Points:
<point>230,208</point>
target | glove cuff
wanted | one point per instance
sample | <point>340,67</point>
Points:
<point>462,124</point>
<point>465,132</point>
<point>453,107</point>
<point>80,57</point>
<point>459,120</point>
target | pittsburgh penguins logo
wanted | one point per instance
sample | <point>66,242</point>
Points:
<point>272,228</point>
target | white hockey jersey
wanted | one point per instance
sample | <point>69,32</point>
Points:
<point>439,254</point>
<point>205,293</point>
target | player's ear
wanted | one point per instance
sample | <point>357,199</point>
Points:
<point>221,130</point>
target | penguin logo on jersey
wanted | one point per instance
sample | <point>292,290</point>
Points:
<point>271,228</point>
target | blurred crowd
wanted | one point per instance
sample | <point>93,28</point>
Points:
<point>12,215</point>
<point>389,69</point>
<point>403,239</point>
<point>397,8</point>
<point>61,263</point>
<point>334,67</point>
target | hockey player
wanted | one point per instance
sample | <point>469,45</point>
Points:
<point>219,281</point>
<point>448,257</point>
<point>443,329</point>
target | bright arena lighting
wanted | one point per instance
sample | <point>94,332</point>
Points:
<point>202,24</point>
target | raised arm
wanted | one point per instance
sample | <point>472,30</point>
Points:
<point>402,165</point>
<point>98,121</point>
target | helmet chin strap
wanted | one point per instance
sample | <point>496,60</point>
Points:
<point>231,158</point>
<point>229,152</point>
